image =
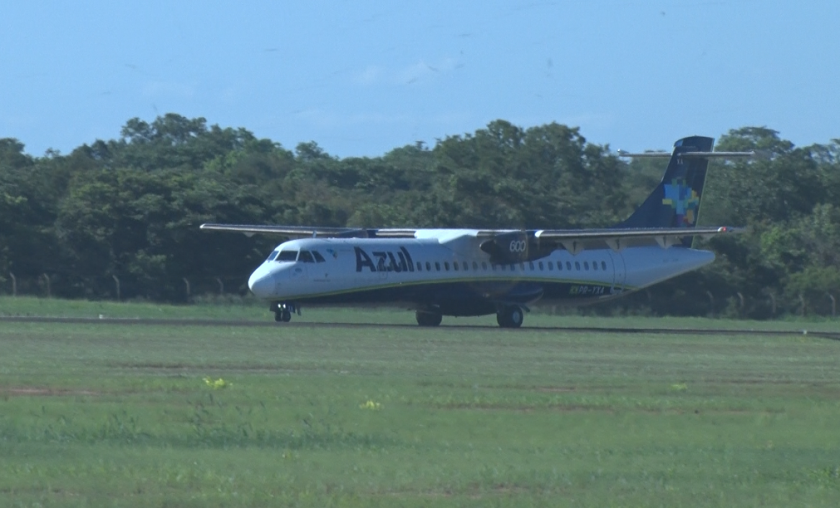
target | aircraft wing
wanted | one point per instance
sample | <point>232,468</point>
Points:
<point>498,241</point>
<point>525,245</point>
<point>575,240</point>
<point>309,231</point>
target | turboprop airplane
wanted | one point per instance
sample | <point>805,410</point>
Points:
<point>473,272</point>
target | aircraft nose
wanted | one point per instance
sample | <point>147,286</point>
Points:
<point>261,284</point>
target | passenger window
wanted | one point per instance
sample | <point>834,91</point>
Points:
<point>419,266</point>
<point>595,265</point>
<point>437,266</point>
<point>586,265</point>
<point>428,266</point>
<point>455,265</point>
<point>604,265</point>
<point>559,265</point>
<point>577,265</point>
<point>550,265</point>
<point>568,265</point>
<point>531,265</point>
<point>466,266</point>
<point>318,257</point>
<point>287,255</point>
<point>475,265</point>
<point>446,265</point>
<point>540,264</point>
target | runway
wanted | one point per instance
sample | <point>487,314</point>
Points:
<point>303,324</point>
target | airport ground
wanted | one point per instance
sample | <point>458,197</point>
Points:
<point>96,414</point>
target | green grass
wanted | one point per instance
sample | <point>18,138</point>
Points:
<point>122,416</point>
<point>251,310</point>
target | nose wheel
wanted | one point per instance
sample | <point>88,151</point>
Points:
<point>510,316</point>
<point>283,312</point>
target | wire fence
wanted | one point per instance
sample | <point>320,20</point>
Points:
<point>768,305</point>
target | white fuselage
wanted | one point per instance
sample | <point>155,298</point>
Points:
<point>449,266</point>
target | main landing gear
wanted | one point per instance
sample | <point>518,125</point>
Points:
<point>283,311</point>
<point>510,316</point>
<point>428,318</point>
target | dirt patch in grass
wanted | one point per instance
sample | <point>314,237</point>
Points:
<point>252,367</point>
<point>30,391</point>
<point>471,491</point>
<point>555,389</point>
<point>578,408</point>
<point>523,408</point>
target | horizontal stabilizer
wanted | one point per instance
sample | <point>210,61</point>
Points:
<point>694,155</point>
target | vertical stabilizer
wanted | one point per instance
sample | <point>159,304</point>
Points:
<point>675,202</point>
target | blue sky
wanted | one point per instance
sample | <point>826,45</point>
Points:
<point>361,78</point>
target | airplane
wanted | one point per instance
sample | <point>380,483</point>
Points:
<point>474,272</point>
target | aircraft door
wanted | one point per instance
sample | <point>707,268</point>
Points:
<point>619,272</point>
<point>382,266</point>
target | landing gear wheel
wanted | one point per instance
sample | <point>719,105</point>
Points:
<point>428,318</point>
<point>282,315</point>
<point>510,317</point>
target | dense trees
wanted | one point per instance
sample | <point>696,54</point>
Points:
<point>130,208</point>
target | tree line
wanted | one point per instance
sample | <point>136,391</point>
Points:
<point>129,208</point>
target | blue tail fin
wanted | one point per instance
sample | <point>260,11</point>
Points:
<point>675,203</point>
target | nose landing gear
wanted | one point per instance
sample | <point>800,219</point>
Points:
<point>283,311</point>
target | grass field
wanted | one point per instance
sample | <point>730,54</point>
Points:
<point>107,415</point>
<point>251,310</point>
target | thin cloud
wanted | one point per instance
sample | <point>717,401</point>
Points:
<point>168,88</point>
<point>369,76</point>
<point>328,119</point>
<point>417,72</point>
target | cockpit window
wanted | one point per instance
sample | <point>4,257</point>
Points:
<point>318,257</point>
<point>306,257</point>
<point>273,255</point>
<point>287,255</point>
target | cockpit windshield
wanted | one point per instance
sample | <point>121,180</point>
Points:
<point>287,255</point>
<point>272,255</point>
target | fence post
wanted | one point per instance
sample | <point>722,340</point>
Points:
<point>14,284</point>
<point>711,303</point>
<point>49,289</point>
<point>833,305</point>
<point>221,286</point>
<point>187,284</point>
<point>117,282</point>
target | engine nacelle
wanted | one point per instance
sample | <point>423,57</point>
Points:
<point>513,247</point>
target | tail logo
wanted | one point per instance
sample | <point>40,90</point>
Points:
<point>683,200</point>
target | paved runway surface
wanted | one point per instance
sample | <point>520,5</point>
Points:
<point>299,324</point>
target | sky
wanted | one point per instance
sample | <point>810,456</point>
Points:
<point>361,78</point>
